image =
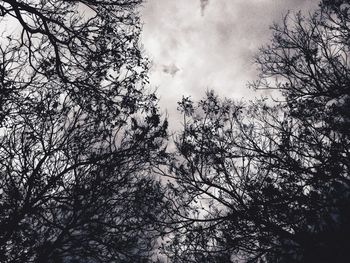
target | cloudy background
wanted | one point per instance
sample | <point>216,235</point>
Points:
<point>195,45</point>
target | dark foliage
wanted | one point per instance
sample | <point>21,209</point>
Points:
<point>79,134</point>
<point>269,181</point>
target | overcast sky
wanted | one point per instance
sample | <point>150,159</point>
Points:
<point>195,45</point>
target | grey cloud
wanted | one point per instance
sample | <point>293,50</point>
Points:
<point>213,52</point>
<point>204,4</point>
<point>171,69</point>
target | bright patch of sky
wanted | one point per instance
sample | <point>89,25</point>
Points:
<point>196,45</point>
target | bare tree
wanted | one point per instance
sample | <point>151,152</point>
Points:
<point>79,135</point>
<point>79,44</point>
<point>269,181</point>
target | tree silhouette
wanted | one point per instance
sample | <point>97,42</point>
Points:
<point>79,135</point>
<point>79,44</point>
<point>268,181</point>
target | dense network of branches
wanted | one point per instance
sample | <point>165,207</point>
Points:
<point>78,136</point>
<point>268,181</point>
<point>82,145</point>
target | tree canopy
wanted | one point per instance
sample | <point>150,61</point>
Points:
<point>268,181</point>
<point>82,145</point>
<point>79,134</point>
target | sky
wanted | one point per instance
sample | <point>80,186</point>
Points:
<point>199,45</point>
